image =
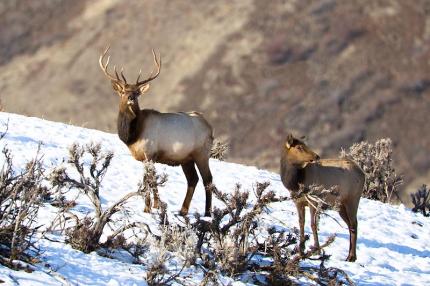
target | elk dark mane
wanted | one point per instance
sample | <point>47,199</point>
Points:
<point>127,129</point>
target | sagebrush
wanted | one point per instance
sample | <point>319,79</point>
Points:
<point>421,200</point>
<point>22,193</point>
<point>231,242</point>
<point>376,160</point>
<point>86,232</point>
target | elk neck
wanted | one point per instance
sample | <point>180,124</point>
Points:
<point>291,175</point>
<point>128,123</point>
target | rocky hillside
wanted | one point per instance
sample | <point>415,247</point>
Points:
<point>335,71</point>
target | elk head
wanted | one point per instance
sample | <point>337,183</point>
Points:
<point>128,92</point>
<point>298,153</point>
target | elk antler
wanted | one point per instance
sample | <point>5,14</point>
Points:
<point>151,77</point>
<point>104,67</point>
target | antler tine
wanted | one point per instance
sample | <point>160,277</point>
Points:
<point>158,64</point>
<point>104,67</point>
<point>138,77</point>
<point>116,73</point>
<point>101,58</point>
<point>151,77</point>
<point>107,62</point>
<point>122,74</point>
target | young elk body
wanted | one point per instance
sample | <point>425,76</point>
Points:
<point>183,138</point>
<point>300,165</point>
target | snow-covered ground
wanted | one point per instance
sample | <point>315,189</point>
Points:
<point>388,253</point>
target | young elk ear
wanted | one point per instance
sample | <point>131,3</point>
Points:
<point>289,141</point>
<point>144,88</point>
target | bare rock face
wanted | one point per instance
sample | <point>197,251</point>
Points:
<point>335,71</point>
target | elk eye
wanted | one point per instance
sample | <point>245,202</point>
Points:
<point>300,147</point>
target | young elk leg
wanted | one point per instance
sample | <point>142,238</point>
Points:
<point>205,172</point>
<point>192,180</point>
<point>352,256</point>
<point>314,226</point>
<point>353,227</point>
<point>351,221</point>
<point>301,212</point>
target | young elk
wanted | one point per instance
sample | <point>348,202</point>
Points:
<point>170,138</point>
<point>300,165</point>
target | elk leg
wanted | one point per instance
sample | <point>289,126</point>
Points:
<point>192,180</point>
<point>314,226</point>
<point>352,256</point>
<point>206,174</point>
<point>343,215</point>
<point>301,213</point>
<point>352,227</point>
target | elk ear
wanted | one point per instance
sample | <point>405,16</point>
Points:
<point>289,141</point>
<point>116,86</point>
<point>143,88</point>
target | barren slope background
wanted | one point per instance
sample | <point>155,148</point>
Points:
<point>335,71</point>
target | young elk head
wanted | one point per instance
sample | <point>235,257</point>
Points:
<point>128,92</point>
<point>297,153</point>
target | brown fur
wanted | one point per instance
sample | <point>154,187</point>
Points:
<point>169,138</point>
<point>300,165</point>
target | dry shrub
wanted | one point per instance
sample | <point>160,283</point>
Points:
<point>149,185</point>
<point>421,200</point>
<point>82,236</point>
<point>231,242</point>
<point>317,196</point>
<point>228,236</point>
<point>21,196</point>
<point>85,234</point>
<point>175,243</point>
<point>219,150</point>
<point>210,279</point>
<point>376,160</point>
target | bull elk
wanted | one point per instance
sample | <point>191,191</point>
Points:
<point>300,165</point>
<point>183,138</point>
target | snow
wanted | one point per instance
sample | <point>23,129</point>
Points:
<point>388,253</point>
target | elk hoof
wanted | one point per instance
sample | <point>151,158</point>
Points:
<point>351,258</point>
<point>208,214</point>
<point>147,210</point>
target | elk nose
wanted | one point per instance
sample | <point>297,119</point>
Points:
<point>131,99</point>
